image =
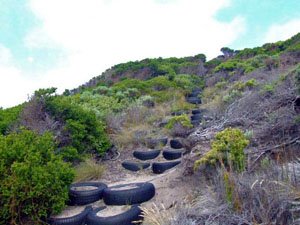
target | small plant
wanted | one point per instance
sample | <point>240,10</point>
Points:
<point>269,88</point>
<point>182,119</point>
<point>227,149</point>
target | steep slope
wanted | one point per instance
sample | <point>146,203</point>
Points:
<point>246,96</point>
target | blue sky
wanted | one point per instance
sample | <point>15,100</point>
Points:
<point>64,43</point>
<point>259,16</point>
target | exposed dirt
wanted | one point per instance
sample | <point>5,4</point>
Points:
<point>113,210</point>
<point>84,188</point>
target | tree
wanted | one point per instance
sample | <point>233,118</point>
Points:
<point>227,52</point>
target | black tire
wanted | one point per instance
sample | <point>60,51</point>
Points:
<point>195,123</point>
<point>146,155</point>
<point>196,111</point>
<point>196,117</point>
<point>160,167</point>
<point>194,100</point>
<point>176,144</point>
<point>77,197</point>
<point>126,218</point>
<point>78,219</point>
<point>197,89</point>
<point>135,166</point>
<point>193,94</point>
<point>136,195</point>
<point>179,113</point>
<point>172,154</point>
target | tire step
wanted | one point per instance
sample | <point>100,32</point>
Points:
<point>160,167</point>
<point>146,155</point>
<point>135,166</point>
<point>172,154</point>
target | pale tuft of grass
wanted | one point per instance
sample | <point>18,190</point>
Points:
<point>156,215</point>
<point>89,170</point>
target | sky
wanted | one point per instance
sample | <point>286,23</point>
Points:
<point>64,43</point>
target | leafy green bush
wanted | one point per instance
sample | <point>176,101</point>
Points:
<point>269,88</point>
<point>8,117</point>
<point>227,149</point>
<point>182,119</point>
<point>86,133</point>
<point>33,181</point>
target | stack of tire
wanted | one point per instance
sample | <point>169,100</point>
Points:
<point>144,156</point>
<point>126,194</point>
<point>173,157</point>
<point>196,117</point>
<point>193,97</point>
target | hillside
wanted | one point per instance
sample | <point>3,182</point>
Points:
<point>231,125</point>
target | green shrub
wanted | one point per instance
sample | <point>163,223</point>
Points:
<point>86,133</point>
<point>182,119</point>
<point>228,65</point>
<point>33,181</point>
<point>227,149</point>
<point>269,88</point>
<point>8,117</point>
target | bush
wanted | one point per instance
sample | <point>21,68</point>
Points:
<point>182,119</point>
<point>33,181</point>
<point>8,117</point>
<point>83,131</point>
<point>227,149</point>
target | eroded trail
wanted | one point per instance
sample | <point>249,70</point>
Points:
<point>140,178</point>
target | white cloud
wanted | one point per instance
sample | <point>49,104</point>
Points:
<point>14,86</point>
<point>5,55</point>
<point>283,31</point>
<point>96,34</point>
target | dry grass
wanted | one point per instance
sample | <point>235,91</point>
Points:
<point>159,215</point>
<point>131,136</point>
<point>89,170</point>
<point>138,123</point>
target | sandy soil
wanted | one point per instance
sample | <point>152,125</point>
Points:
<point>113,210</point>
<point>84,188</point>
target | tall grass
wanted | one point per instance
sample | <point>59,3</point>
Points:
<point>89,170</point>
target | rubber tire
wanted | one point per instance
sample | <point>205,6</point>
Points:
<point>78,219</point>
<point>176,144</point>
<point>197,89</point>
<point>179,113</point>
<point>88,196</point>
<point>196,111</point>
<point>196,117</point>
<point>195,123</point>
<point>194,100</point>
<point>142,193</point>
<point>126,218</point>
<point>135,166</point>
<point>193,95</point>
<point>160,167</point>
<point>146,155</point>
<point>172,154</point>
